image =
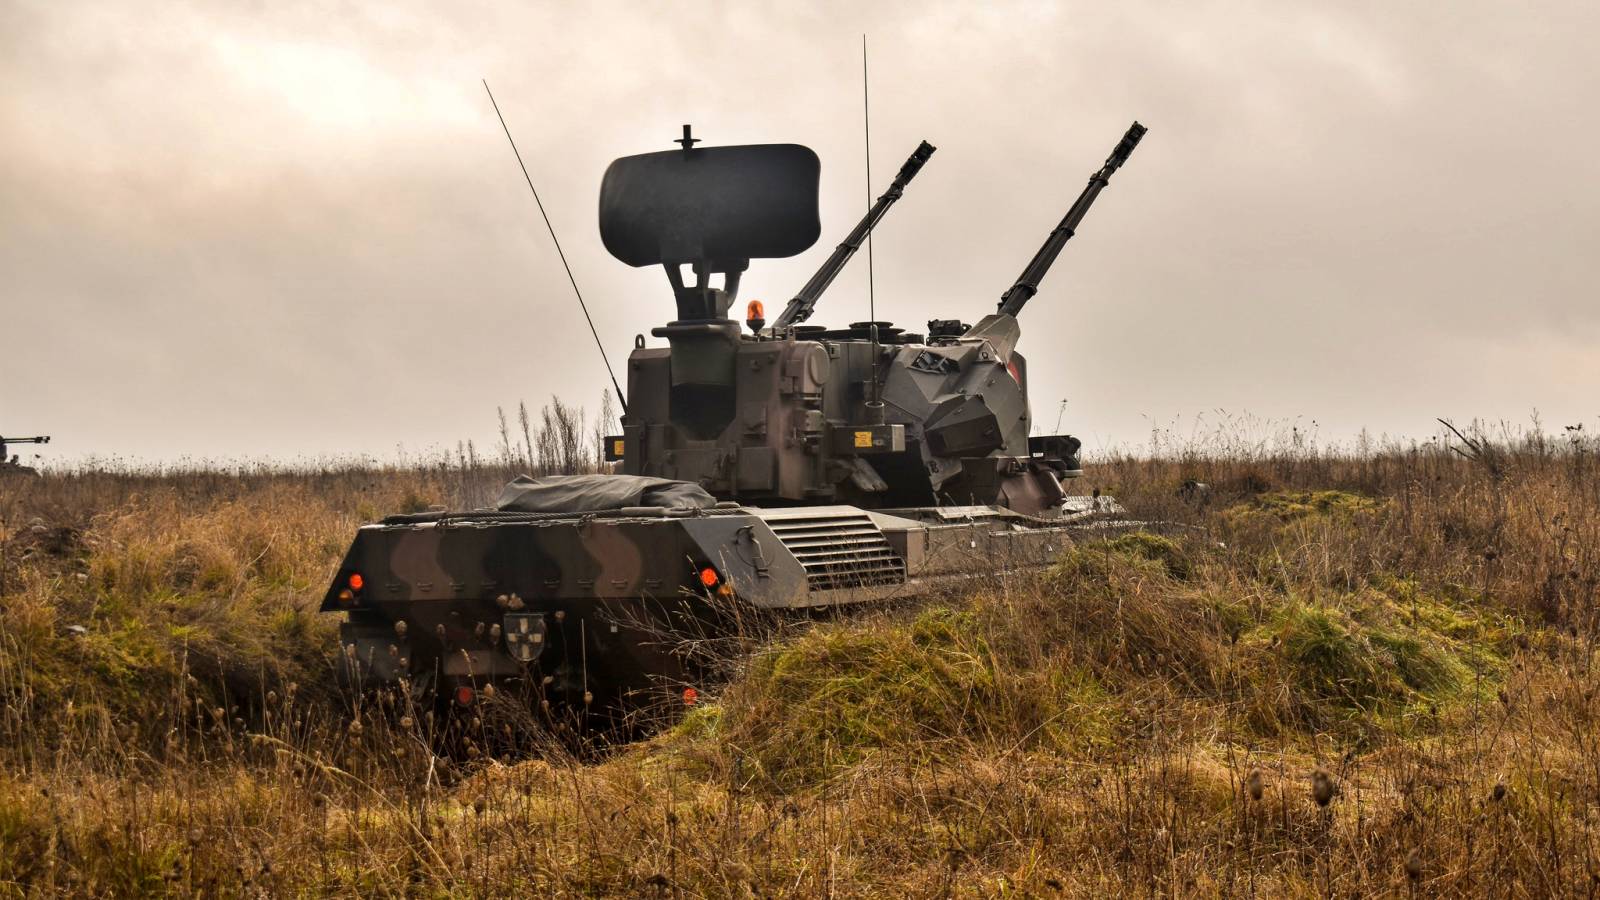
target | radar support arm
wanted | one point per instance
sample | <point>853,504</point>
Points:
<point>1012,301</point>
<point>800,308</point>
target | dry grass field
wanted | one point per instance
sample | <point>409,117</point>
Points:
<point>1333,674</point>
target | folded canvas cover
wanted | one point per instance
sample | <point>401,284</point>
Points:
<point>584,493</point>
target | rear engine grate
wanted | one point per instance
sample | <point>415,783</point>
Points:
<point>840,550</point>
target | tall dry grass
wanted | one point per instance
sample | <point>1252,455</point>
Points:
<point>1333,673</point>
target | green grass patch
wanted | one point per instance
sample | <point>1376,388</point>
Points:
<point>1136,554</point>
<point>836,694</point>
<point>1364,661</point>
<point>1289,506</point>
<point>1155,548</point>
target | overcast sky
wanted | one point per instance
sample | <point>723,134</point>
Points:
<point>285,229</point>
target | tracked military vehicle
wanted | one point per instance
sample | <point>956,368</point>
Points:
<point>11,464</point>
<point>774,466</point>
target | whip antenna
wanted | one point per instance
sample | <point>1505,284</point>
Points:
<point>866,119</point>
<point>621,399</point>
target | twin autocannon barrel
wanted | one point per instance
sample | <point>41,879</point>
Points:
<point>1012,301</point>
<point>799,309</point>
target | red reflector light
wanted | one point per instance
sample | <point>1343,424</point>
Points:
<point>356,581</point>
<point>708,577</point>
<point>465,695</point>
<point>690,696</point>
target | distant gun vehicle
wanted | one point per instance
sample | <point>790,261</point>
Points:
<point>780,466</point>
<point>11,464</point>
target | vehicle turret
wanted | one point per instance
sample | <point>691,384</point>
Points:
<point>868,415</point>
<point>9,463</point>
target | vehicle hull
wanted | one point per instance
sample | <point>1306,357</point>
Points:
<point>598,608</point>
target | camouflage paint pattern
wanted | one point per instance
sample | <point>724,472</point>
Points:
<point>443,599</point>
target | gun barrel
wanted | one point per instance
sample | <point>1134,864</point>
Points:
<point>41,439</point>
<point>1027,284</point>
<point>801,307</point>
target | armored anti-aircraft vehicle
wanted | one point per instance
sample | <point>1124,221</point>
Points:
<point>781,466</point>
<point>11,464</point>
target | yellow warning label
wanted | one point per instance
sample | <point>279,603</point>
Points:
<point>863,439</point>
<point>616,448</point>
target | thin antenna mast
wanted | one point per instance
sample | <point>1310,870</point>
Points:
<point>866,116</point>
<point>621,399</point>
<point>874,397</point>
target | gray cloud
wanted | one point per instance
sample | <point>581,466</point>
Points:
<point>283,229</point>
